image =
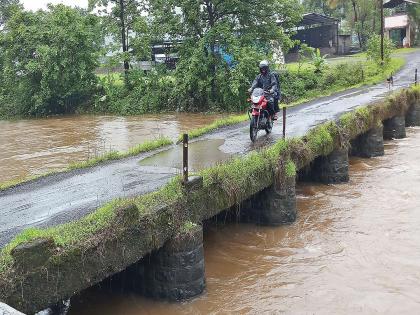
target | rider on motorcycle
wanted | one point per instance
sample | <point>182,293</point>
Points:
<point>268,82</point>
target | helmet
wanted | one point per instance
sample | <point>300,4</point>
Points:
<point>264,64</point>
<point>264,67</point>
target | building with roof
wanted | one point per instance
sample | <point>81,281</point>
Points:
<point>399,27</point>
<point>320,31</point>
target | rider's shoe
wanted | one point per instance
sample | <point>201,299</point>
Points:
<point>275,117</point>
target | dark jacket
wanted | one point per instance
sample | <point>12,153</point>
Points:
<point>266,82</point>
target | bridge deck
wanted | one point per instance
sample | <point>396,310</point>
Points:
<point>65,197</point>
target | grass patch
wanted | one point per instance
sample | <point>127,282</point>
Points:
<point>188,227</point>
<point>114,155</point>
<point>112,78</point>
<point>291,169</point>
<point>372,76</point>
<point>321,140</point>
<point>231,120</point>
<point>110,156</point>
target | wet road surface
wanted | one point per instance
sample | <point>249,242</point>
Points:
<point>66,197</point>
<point>38,146</point>
<point>354,249</point>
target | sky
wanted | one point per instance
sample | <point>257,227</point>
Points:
<point>42,4</point>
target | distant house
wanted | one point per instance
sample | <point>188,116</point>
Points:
<point>320,31</point>
<point>399,27</point>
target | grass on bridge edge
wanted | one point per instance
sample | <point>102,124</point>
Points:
<point>395,65</point>
<point>237,179</point>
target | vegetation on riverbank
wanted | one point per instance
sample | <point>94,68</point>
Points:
<point>372,75</point>
<point>226,184</point>
<point>42,75</point>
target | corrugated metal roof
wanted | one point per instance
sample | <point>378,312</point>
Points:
<point>389,4</point>
<point>315,18</point>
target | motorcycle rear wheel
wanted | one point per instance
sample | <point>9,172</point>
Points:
<point>269,128</point>
<point>253,128</point>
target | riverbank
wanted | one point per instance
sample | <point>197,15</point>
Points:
<point>165,139</point>
<point>224,186</point>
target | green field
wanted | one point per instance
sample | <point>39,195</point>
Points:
<point>115,78</point>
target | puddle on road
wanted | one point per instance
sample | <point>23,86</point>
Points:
<point>202,154</point>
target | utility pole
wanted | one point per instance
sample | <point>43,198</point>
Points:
<point>382,30</point>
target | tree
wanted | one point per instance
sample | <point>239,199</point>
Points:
<point>49,59</point>
<point>212,29</point>
<point>363,16</point>
<point>333,8</point>
<point>374,52</point>
<point>6,9</point>
<point>414,13</point>
<point>125,20</point>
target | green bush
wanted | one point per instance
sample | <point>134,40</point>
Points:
<point>147,92</point>
<point>374,49</point>
<point>47,61</point>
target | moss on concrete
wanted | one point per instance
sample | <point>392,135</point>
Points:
<point>123,231</point>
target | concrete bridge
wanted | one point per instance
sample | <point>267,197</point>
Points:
<point>171,234</point>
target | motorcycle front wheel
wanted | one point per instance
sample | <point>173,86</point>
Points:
<point>253,128</point>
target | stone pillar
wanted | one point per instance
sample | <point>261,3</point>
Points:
<point>417,113</point>
<point>176,271</point>
<point>332,169</point>
<point>394,128</point>
<point>273,206</point>
<point>412,118</point>
<point>369,144</point>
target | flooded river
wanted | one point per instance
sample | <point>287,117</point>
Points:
<point>36,146</point>
<point>355,248</point>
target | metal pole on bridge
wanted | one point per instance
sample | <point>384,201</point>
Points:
<point>185,158</point>
<point>284,122</point>
<point>415,77</point>
<point>382,30</point>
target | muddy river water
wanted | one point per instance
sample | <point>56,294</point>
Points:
<point>355,248</point>
<point>36,146</point>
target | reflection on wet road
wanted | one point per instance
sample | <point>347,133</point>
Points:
<point>202,154</point>
<point>355,249</point>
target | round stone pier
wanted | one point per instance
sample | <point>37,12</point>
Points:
<point>394,128</point>
<point>273,206</point>
<point>176,271</point>
<point>332,169</point>
<point>369,144</point>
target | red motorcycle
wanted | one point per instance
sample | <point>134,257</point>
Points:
<point>258,114</point>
